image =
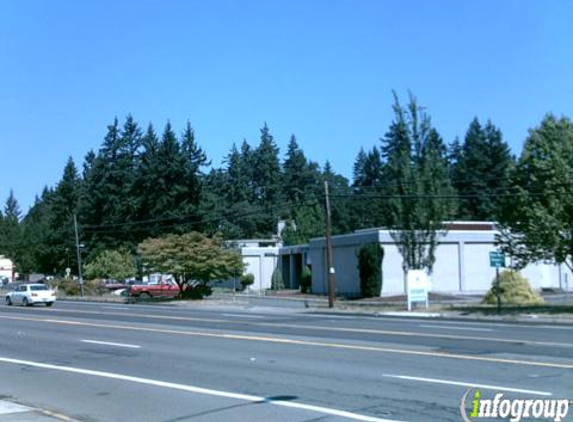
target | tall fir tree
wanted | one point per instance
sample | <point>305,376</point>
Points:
<point>480,171</point>
<point>64,205</point>
<point>10,235</point>
<point>195,161</point>
<point>267,183</point>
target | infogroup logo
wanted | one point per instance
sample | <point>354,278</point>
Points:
<point>514,410</point>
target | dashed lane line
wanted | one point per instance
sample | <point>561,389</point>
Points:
<point>296,342</point>
<point>200,390</point>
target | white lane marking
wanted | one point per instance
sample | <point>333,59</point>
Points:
<point>486,323</point>
<point>125,308</point>
<point>455,328</point>
<point>468,384</point>
<point>244,316</point>
<point>107,343</point>
<point>199,390</point>
<point>7,408</point>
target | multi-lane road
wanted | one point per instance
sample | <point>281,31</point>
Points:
<point>115,362</point>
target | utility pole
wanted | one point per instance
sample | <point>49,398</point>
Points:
<point>329,264</point>
<point>80,278</point>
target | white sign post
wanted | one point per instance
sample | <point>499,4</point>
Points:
<point>418,286</point>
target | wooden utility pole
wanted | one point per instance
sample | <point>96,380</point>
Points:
<point>329,264</point>
<point>80,278</point>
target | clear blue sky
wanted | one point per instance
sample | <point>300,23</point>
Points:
<point>322,69</point>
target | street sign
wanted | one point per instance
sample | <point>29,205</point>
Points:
<point>497,259</point>
<point>418,287</point>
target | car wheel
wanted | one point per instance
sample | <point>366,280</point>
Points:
<point>8,301</point>
<point>25,302</point>
<point>49,304</point>
<point>145,296</point>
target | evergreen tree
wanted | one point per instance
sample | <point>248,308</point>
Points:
<point>146,180</point>
<point>35,253</point>
<point>10,235</point>
<point>170,177</point>
<point>267,182</point>
<point>480,171</point>
<point>296,173</point>
<point>368,180</point>
<point>195,160</point>
<point>358,170</point>
<point>63,205</point>
<point>340,194</point>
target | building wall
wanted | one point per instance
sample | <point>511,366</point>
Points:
<point>261,262</point>
<point>6,269</point>
<point>462,264</point>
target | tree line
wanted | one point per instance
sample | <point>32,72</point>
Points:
<point>143,184</point>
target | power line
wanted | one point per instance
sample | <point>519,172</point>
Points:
<point>122,228</point>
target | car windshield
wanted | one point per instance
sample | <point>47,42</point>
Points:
<point>36,288</point>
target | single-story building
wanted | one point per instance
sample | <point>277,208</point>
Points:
<point>260,257</point>
<point>462,262</point>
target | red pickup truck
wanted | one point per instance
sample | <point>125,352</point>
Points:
<point>159,288</point>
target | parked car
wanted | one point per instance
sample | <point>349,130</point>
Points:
<point>30,294</point>
<point>156,288</point>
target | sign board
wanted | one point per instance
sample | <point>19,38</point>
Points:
<point>497,259</point>
<point>418,286</point>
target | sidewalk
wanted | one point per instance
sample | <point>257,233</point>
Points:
<point>13,412</point>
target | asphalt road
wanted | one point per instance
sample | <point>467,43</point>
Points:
<point>114,362</point>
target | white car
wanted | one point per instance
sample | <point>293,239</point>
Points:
<point>29,294</point>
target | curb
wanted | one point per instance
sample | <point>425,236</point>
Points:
<point>9,408</point>
<point>424,316</point>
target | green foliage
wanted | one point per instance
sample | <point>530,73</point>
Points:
<point>247,280</point>
<point>191,257</point>
<point>370,258</point>
<point>197,292</point>
<point>139,185</point>
<point>369,179</point>
<point>419,188</point>
<point>116,264</point>
<point>306,222</point>
<point>481,168</point>
<point>69,287</point>
<point>305,280</point>
<point>536,220</point>
<point>277,282</point>
<point>515,290</point>
<point>10,230</point>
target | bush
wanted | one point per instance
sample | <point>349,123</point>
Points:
<point>95,287</point>
<point>305,279</point>
<point>515,290</point>
<point>69,287</point>
<point>370,269</point>
<point>247,280</point>
<point>277,282</point>
<point>197,292</point>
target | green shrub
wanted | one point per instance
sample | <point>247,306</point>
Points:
<point>370,269</point>
<point>515,290</point>
<point>197,292</point>
<point>67,287</point>
<point>277,282</point>
<point>305,279</point>
<point>247,280</point>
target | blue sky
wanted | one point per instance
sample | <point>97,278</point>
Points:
<point>323,70</point>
